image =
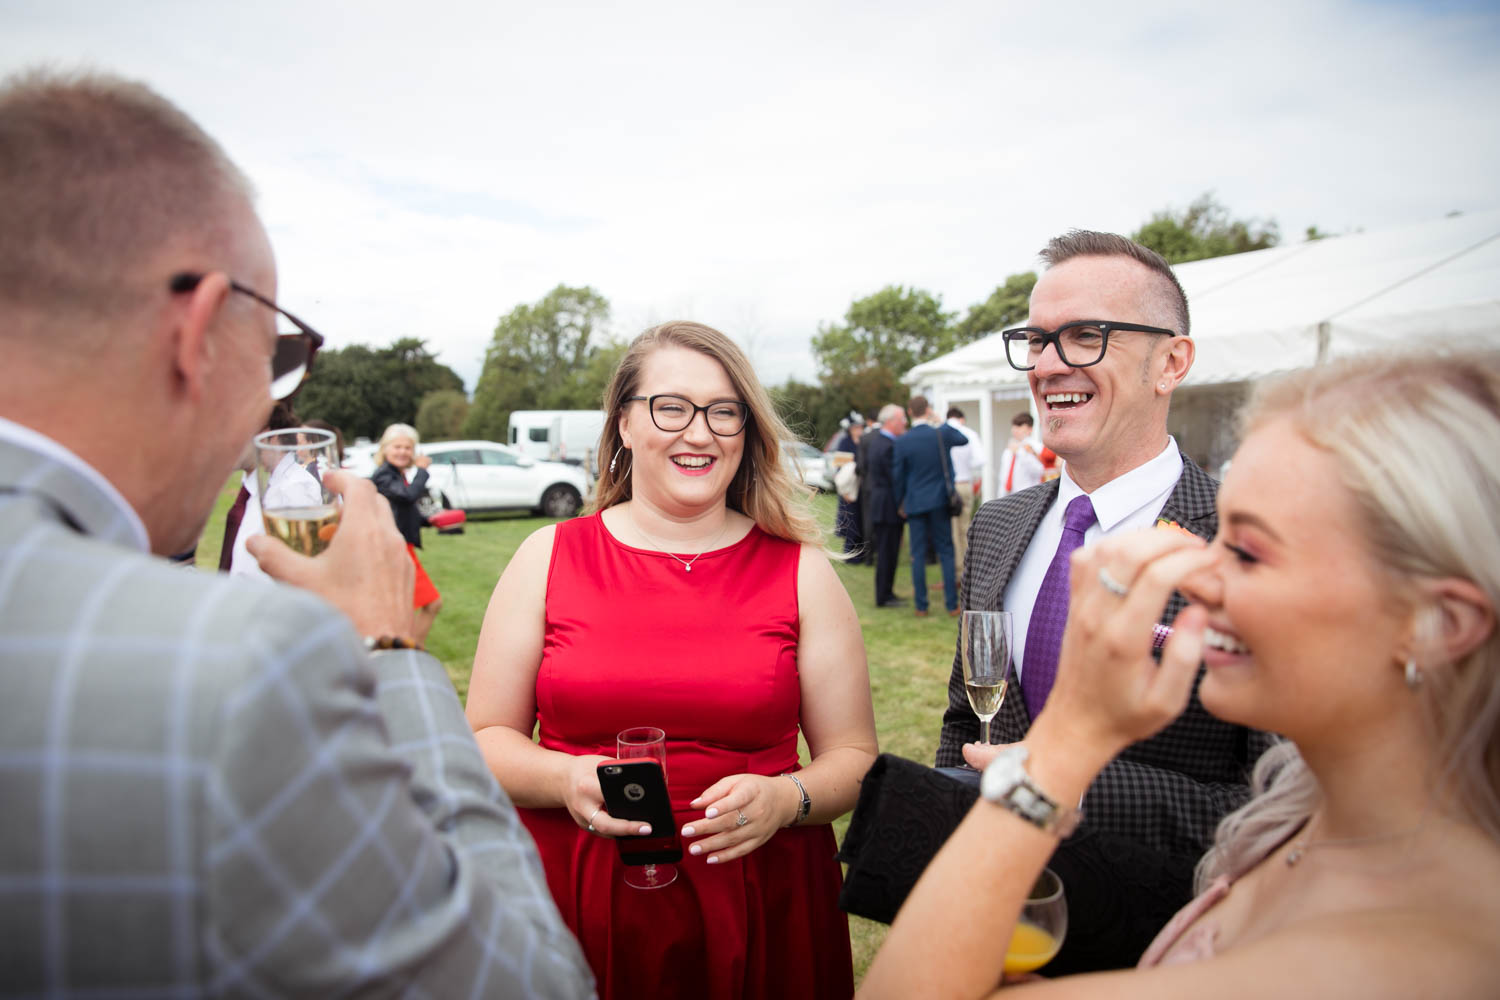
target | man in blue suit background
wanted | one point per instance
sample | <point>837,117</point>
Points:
<point>922,477</point>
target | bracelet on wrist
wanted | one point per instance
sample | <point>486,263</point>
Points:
<point>805,806</point>
<point>374,643</point>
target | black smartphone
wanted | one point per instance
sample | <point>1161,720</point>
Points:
<point>637,790</point>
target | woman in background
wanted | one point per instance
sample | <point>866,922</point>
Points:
<point>697,598</point>
<point>848,521</point>
<point>1348,603</point>
<point>401,477</point>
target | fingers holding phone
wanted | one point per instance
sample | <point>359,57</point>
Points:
<point>637,812</point>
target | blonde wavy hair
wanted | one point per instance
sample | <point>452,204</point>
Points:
<point>1414,443</point>
<point>762,489</point>
<point>392,433</point>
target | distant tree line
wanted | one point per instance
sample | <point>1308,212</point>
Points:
<point>557,353</point>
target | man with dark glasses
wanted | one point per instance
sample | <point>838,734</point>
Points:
<point>210,787</point>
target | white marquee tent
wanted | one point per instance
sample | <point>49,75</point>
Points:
<point>1288,307</point>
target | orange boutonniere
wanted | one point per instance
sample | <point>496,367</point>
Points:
<point>1163,523</point>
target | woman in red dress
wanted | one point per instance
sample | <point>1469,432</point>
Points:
<point>696,598</point>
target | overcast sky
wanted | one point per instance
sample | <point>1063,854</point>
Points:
<point>423,168</point>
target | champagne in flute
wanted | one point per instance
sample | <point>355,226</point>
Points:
<point>294,504</point>
<point>984,648</point>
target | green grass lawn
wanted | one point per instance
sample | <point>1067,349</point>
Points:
<point>909,657</point>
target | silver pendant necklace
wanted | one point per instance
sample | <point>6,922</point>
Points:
<point>687,564</point>
<point>1305,844</point>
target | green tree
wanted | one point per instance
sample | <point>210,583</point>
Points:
<point>552,355</point>
<point>883,335</point>
<point>1204,229</point>
<point>1007,306</point>
<point>362,390</point>
<point>440,415</point>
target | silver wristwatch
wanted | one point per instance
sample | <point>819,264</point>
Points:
<point>1006,783</point>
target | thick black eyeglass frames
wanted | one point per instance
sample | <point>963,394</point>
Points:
<point>294,351</point>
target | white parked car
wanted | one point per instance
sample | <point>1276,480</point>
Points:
<point>808,464</point>
<point>486,476</point>
<point>477,476</point>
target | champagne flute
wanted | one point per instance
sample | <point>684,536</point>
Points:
<point>984,647</point>
<point>1042,927</point>
<point>295,505</point>
<point>650,743</point>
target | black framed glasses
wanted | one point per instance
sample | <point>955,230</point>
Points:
<point>294,351</point>
<point>1079,344</point>
<point>725,417</point>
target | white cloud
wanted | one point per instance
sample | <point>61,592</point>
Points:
<point>425,169</point>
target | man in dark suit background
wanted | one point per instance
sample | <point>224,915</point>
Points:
<point>881,506</point>
<point>1102,391</point>
<point>922,476</point>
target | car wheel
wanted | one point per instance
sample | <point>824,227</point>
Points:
<point>561,501</point>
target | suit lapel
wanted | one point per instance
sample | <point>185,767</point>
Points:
<point>1019,515</point>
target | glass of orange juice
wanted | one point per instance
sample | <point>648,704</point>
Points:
<point>1042,927</point>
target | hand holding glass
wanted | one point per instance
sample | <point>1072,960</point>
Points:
<point>1042,927</point>
<point>984,648</point>
<point>650,743</point>
<point>295,505</point>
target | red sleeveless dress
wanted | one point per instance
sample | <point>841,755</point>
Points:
<point>709,656</point>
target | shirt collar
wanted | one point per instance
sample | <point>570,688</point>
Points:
<point>100,509</point>
<point>1124,495</point>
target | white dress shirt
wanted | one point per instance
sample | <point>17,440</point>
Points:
<point>1127,502</point>
<point>967,459</point>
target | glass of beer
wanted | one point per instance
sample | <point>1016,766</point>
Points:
<point>295,505</point>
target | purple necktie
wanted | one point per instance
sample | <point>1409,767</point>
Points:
<point>1050,613</point>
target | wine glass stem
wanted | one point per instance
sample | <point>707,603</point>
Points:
<point>984,731</point>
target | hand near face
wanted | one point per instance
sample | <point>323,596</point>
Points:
<point>1110,691</point>
<point>422,461</point>
<point>365,572</point>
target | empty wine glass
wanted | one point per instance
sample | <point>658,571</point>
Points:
<point>984,647</point>
<point>1042,927</point>
<point>650,743</point>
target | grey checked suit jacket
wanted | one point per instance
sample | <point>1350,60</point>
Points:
<point>208,789</point>
<point>1168,792</point>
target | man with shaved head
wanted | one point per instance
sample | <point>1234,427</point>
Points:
<point>1105,346</point>
<point>209,787</point>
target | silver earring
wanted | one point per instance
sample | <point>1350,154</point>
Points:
<point>1162,387</point>
<point>1413,674</point>
<point>612,461</point>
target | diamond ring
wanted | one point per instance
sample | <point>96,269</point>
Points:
<point>1112,585</point>
<point>742,820</point>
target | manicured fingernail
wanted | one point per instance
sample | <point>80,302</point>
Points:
<point>695,849</point>
<point>696,801</point>
<point>645,829</point>
<point>713,861</point>
<point>711,814</point>
<point>687,831</point>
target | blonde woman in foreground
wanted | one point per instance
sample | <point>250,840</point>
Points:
<point>1348,603</point>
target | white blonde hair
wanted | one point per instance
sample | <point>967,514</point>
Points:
<point>1413,440</point>
<point>392,433</point>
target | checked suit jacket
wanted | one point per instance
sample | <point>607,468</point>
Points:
<point>208,788</point>
<point>1166,793</point>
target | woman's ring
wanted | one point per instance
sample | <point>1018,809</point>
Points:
<point>742,820</point>
<point>591,818</point>
<point>1112,585</point>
